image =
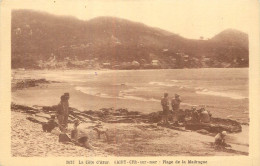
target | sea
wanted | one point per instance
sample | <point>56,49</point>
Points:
<point>223,91</point>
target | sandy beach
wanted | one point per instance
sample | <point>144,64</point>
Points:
<point>28,140</point>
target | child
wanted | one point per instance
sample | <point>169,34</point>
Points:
<point>50,125</point>
<point>82,140</point>
<point>220,139</point>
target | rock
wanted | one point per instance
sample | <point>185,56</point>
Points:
<point>22,107</point>
<point>203,131</point>
<point>34,120</point>
<point>109,115</point>
<point>216,125</point>
<point>123,120</point>
<point>122,111</point>
<point>26,83</point>
<point>25,109</point>
<point>53,108</point>
<point>133,113</point>
<point>154,117</point>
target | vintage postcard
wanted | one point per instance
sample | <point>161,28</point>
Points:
<point>129,82</point>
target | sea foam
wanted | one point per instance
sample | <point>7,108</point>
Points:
<point>220,94</point>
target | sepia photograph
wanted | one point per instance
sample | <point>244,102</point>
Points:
<point>132,78</point>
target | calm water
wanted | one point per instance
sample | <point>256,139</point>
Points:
<point>222,91</point>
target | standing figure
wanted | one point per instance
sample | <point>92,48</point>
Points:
<point>165,106</point>
<point>176,105</point>
<point>63,111</point>
<point>65,106</point>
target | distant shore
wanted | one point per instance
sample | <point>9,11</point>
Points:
<point>104,69</point>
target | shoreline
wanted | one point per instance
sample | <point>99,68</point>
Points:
<point>141,139</point>
<point>106,69</point>
<point>49,93</point>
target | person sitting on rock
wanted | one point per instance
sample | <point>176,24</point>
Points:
<point>205,116</point>
<point>50,125</point>
<point>198,114</point>
<point>195,114</point>
<point>188,114</point>
<point>79,137</point>
<point>220,139</point>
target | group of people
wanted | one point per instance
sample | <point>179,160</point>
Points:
<point>195,115</point>
<point>77,136</point>
<point>200,115</point>
<point>80,138</point>
<point>175,103</point>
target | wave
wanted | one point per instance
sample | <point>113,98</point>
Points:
<point>129,97</point>
<point>174,83</point>
<point>121,84</point>
<point>162,84</point>
<point>200,90</point>
<point>220,94</point>
<point>175,80</point>
<point>93,92</point>
<point>124,96</point>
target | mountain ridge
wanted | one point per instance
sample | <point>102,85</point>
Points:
<point>38,36</point>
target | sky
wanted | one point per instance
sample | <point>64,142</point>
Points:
<point>188,18</point>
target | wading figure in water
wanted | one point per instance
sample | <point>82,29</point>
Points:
<point>165,106</point>
<point>63,111</point>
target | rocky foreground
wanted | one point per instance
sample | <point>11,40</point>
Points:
<point>129,134</point>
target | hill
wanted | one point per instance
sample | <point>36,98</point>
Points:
<point>44,40</point>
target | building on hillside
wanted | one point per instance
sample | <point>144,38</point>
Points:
<point>135,64</point>
<point>143,61</point>
<point>106,65</point>
<point>174,60</point>
<point>165,50</point>
<point>155,62</point>
<point>205,59</point>
<point>184,56</point>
